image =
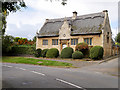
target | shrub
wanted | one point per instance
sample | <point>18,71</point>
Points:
<point>26,50</point>
<point>77,55</point>
<point>67,52</point>
<point>44,51</point>
<point>38,53</point>
<point>83,47</point>
<point>52,53</point>
<point>96,52</point>
<point>6,43</point>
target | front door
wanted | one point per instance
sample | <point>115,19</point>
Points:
<point>64,46</point>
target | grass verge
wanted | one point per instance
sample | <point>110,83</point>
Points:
<point>24,60</point>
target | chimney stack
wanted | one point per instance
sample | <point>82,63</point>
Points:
<point>47,20</point>
<point>74,15</point>
<point>105,10</point>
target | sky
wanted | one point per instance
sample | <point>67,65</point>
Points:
<point>28,21</point>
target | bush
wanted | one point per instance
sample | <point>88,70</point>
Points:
<point>52,53</point>
<point>77,55</point>
<point>38,53</point>
<point>44,51</point>
<point>83,47</point>
<point>67,52</point>
<point>6,43</point>
<point>26,50</point>
<point>96,52</point>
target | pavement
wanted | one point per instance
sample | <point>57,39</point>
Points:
<point>32,76</point>
<point>110,67</point>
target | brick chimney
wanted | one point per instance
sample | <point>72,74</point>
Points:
<point>105,10</point>
<point>74,15</point>
<point>46,20</point>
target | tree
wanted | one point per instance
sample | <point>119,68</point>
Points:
<point>7,42</point>
<point>16,39</point>
<point>8,7</point>
<point>117,38</point>
<point>34,39</point>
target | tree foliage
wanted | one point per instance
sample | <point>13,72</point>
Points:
<point>7,7</point>
<point>7,42</point>
<point>117,38</point>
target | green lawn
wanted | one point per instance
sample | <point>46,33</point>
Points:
<point>25,60</point>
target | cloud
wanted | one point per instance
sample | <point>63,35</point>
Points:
<point>25,30</point>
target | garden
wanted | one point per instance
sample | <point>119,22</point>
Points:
<point>82,50</point>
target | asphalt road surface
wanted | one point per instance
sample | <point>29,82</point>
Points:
<point>31,76</point>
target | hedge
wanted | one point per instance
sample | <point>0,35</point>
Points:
<point>44,51</point>
<point>22,50</point>
<point>77,55</point>
<point>52,53</point>
<point>67,52</point>
<point>38,53</point>
<point>96,52</point>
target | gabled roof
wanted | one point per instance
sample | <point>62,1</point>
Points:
<point>85,24</point>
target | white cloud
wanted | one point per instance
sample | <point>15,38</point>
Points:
<point>18,25</point>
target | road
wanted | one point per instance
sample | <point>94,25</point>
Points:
<point>32,76</point>
<point>110,67</point>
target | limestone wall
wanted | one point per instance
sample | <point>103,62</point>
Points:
<point>96,40</point>
<point>40,45</point>
<point>107,34</point>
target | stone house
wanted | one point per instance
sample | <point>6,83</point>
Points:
<point>93,29</point>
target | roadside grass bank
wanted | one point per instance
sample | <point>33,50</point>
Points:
<point>25,60</point>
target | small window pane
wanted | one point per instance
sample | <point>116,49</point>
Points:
<point>90,41</point>
<point>54,41</point>
<point>71,41</point>
<point>107,39</point>
<point>87,41</point>
<point>45,42</point>
<point>74,41</point>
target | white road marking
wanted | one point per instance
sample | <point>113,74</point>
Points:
<point>3,65</point>
<point>9,66</point>
<point>69,83</point>
<point>22,69</point>
<point>38,73</point>
<point>17,67</point>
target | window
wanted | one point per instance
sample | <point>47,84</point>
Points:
<point>88,41</point>
<point>54,41</point>
<point>107,39</point>
<point>45,42</point>
<point>74,41</point>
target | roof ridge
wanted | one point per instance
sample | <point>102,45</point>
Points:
<point>92,15</point>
